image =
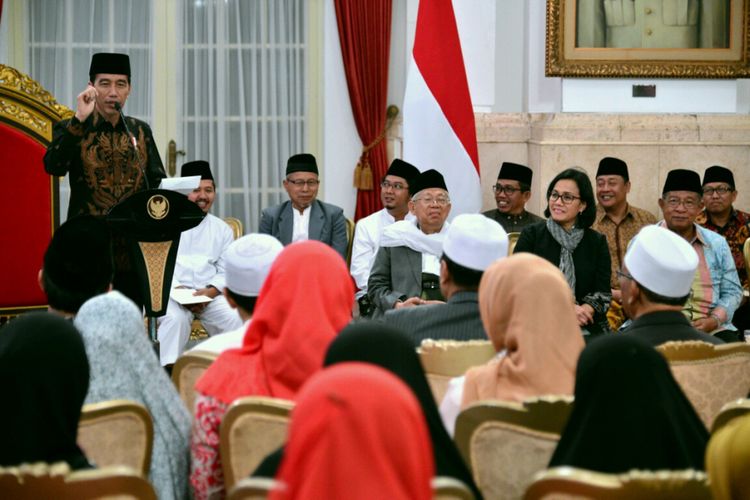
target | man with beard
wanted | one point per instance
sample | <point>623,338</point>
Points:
<point>512,191</point>
<point>394,194</point>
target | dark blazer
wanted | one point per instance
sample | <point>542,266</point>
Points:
<point>662,326</point>
<point>591,259</point>
<point>457,319</point>
<point>327,224</point>
<point>396,272</point>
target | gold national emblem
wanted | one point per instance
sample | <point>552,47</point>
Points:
<point>158,207</point>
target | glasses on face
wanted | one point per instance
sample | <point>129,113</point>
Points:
<point>689,203</point>
<point>440,201</point>
<point>311,183</point>
<point>566,198</point>
<point>396,186</point>
<point>721,191</point>
<point>621,274</point>
<point>509,190</point>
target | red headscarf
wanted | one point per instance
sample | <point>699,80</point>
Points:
<point>357,431</point>
<point>305,301</point>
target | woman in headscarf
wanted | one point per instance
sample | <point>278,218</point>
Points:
<point>305,301</point>
<point>44,375</point>
<point>123,366</point>
<point>629,412</point>
<point>527,311</point>
<point>357,431</point>
<point>728,460</point>
<point>391,349</point>
<point>567,240</point>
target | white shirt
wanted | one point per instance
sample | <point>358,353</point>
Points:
<point>200,257</point>
<point>301,224</point>
<point>223,341</point>
<point>367,235</point>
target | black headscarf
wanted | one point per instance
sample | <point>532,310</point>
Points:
<point>391,349</point>
<point>629,412</point>
<point>44,377</point>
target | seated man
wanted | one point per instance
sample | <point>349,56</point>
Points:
<point>199,266</point>
<point>716,291</point>
<point>656,278</point>
<point>77,264</point>
<point>472,243</point>
<point>247,262</point>
<point>304,217</point>
<point>619,221</point>
<point>720,216</point>
<point>394,194</point>
<point>512,191</point>
<point>407,265</point>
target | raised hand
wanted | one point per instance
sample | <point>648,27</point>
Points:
<point>85,103</point>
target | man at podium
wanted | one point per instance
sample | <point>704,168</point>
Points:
<point>107,156</point>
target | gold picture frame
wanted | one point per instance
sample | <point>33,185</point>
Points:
<point>729,58</point>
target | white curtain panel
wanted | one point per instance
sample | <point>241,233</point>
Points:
<point>63,34</point>
<point>243,98</point>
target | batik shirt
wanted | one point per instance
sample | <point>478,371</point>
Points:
<point>736,231</point>
<point>619,235</point>
<point>103,165</point>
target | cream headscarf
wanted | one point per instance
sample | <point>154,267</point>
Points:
<point>527,309</point>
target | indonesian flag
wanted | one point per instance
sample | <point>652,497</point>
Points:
<point>439,130</point>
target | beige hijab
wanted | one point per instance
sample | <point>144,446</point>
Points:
<point>527,309</point>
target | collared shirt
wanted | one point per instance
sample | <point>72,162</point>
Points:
<point>512,223</point>
<point>736,231</point>
<point>716,287</point>
<point>619,235</point>
<point>103,165</point>
<point>200,256</point>
<point>366,243</point>
<point>301,228</point>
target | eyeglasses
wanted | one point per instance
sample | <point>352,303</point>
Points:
<point>440,201</point>
<point>509,190</point>
<point>621,274</point>
<point>721,191</point>
<point>311,183</point>
<point>566,198</point>
<point>689,203</point>
<point>396,186</point>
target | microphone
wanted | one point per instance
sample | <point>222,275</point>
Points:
<point>133,141</point>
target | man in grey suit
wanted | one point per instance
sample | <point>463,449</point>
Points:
<point>406,267</point>
<point>472,243</point>
<point>304,217</point>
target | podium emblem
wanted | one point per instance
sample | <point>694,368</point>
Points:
<point>157,207</point>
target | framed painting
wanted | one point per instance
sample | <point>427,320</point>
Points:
<point>647,38</point>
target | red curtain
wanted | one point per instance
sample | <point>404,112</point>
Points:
<point>365,35</point>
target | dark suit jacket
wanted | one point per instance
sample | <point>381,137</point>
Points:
<point>396,272</point>
<point>591,258</point>
<point>327,224</point>
<point>662,326</point>
<point>457,319</point>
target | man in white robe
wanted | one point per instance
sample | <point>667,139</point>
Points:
<point>199,267</point>
<point>394,194</point>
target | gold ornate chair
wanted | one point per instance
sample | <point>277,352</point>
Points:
<point>449,488</point>
<point>258,488</point>
<point>253,488</point>
<point>42,480</point>
<point>729,412</point>
<point>444,359</point>
<point>236,226</point>
<point>251,429</point>
<point>27,113</point>
<point>506,443</point>
<point>350,239</point>
<point>569,482</point>
<point>512,240</point>
<point>117,432</point>
<point>710,375</point>
<point>187,370</point>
